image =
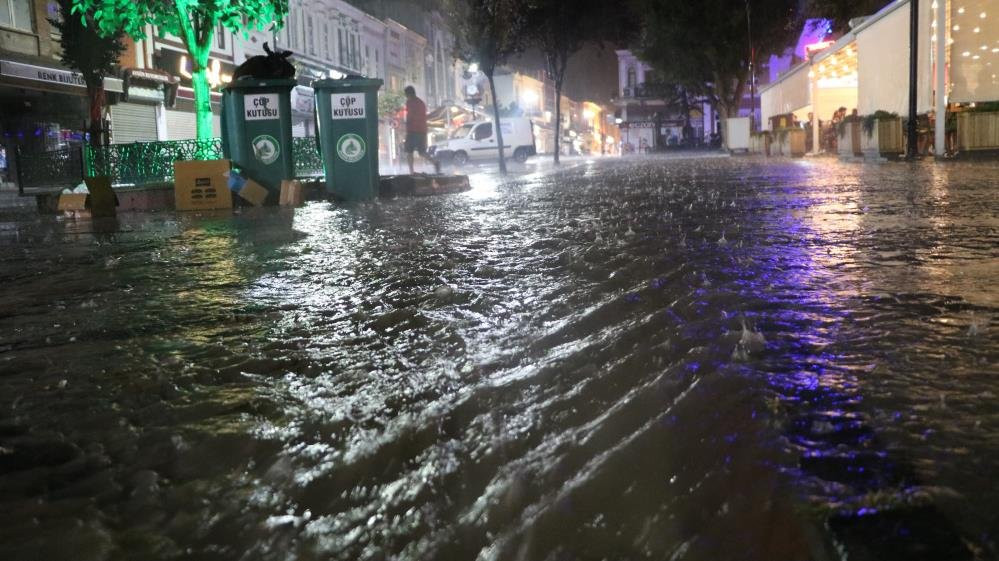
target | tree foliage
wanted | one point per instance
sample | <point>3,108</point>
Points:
<point>193,21</point>
<point>840,12</point>
<point>704,47</point>
<point>90,53</point>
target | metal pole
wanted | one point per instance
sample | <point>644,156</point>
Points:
<point>816,140</point>
<point>940,129</point>
<point>910,152</point>
<point>752,72</point>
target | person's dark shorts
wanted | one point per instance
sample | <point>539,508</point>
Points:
<point>415,142</point>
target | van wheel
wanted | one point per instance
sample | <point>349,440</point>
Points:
<point>520,155</point>
<point>460,158</point>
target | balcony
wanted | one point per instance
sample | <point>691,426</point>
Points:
<point>645,91</point>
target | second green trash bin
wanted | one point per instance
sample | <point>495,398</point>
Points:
<point>347,117</point>
<point>256,131</point>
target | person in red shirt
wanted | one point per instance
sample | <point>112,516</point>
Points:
<point>416,128</point>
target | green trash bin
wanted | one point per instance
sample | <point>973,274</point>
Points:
<point>256,131</point>
<point>347,118</point>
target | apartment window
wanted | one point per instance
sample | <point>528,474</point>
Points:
<point>310,36</point>
<point>292,31</point>
<point>326,41</point>
<point>220,37</point>
<point>16,14</point>
<point>341,50</point>
<point>354,63</point>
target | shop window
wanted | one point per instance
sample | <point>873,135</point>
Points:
<point>16,14</point>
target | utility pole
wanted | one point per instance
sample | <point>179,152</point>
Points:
<point>910,152</point>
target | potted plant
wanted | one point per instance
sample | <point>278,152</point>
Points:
<point>978,127</point>
<point>848,131</point>
<point>882,135</point>
<point>779,145</point>
<point>796,142</point>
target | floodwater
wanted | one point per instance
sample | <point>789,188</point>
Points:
<point>671,359</point>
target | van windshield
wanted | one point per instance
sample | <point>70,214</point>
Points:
<point>462,131</point>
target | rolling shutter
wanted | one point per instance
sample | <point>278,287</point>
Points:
<point>132,122</point>
<point>180,125</point>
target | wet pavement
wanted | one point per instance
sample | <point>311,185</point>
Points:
<point>696,359</point>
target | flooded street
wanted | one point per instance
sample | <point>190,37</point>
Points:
<point>670,359</point>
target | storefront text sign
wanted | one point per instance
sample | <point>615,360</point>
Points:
<point>41,73</point>
<point>348,106</point>
<point>261,107</point>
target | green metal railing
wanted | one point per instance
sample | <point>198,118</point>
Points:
<point>308,162</point>
<point>142,163</point>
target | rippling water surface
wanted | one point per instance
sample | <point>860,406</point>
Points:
<point>693,359</point>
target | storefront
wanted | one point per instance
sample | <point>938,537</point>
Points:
<point>43,107</point>
<point>638,137</point>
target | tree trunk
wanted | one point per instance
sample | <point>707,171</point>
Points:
<point>95,124</point>
<point>558,117</point>
<point>202,102</point>
<point>496,122</point>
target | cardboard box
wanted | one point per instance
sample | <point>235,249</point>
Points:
<point>102,200</point>
<point>253,193</point>
<point>72,202</point>
<point>292,193</point>
<point>201,185</point>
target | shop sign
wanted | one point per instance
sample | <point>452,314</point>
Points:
<point>261,107</point>
<point>149,76</point>
<point>347,106</point>
<point>639,125</point>
<point>41,73</point>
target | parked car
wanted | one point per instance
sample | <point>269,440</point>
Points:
<point>477,141</point>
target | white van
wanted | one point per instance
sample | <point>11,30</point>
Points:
<point>477,141</point>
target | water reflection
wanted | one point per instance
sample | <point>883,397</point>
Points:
<point>636,358</point>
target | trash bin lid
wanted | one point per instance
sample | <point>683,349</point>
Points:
<point>254,83</point>
<point>347,84</point>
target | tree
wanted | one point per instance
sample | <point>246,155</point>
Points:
<point>840,12</point>
<point>559,30</point>
<point>194,22</point>
<point>704,46</point>
<point>91,54</point>
<point>488,32</point>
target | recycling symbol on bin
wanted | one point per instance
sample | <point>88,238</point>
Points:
<point>266,149</point>
<point>350,148</point>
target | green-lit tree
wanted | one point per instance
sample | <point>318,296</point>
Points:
<point>194,22</point>
<point>90,53</point>
<point>488,32</point>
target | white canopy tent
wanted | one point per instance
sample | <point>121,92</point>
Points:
<point>883,60</point>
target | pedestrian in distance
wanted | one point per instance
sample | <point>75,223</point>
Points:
<point>416,129</point>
